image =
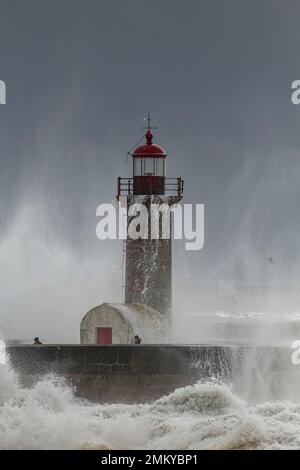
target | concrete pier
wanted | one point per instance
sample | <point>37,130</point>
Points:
<point>136,373</point>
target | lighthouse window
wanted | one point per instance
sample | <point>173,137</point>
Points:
<point>137,166</point>
<point>148,166</point>
<point>159,167</point>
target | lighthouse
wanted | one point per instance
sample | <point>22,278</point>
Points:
<point>148,260</point>
<point>146,309</point>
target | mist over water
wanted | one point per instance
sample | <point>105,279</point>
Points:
<point>44,283</point>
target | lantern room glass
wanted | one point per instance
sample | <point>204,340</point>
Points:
<point>160,167</point>
<point>148,166</point>
<point>137,166</point>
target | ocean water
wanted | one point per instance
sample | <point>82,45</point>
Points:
<point>209,415</point>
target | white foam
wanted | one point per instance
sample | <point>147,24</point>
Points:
<point>202,416</point>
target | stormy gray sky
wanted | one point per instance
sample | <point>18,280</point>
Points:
<point>80,76</point>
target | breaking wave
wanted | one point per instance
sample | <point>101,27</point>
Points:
<point>200,416</point>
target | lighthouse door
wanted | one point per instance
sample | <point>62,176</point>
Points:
<point>104,335</point>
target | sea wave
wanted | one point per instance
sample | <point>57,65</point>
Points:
<point>200,416</point>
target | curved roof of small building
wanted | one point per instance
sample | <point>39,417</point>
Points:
<point>144,321</point>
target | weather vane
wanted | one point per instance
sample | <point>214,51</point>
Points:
<point>149,122</point>
<point>149,126</point>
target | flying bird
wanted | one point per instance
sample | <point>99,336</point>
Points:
<point>270,259</point>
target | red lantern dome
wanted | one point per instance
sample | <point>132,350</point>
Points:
<point>149,171</point>
<point>149,149</point>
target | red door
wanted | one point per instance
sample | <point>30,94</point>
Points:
<point>104,335</point>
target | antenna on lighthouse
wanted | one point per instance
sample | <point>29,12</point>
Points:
<point>149,122</point>
<point>148,127</point>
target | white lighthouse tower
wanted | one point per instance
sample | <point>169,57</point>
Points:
<point>146,310</point>
<point>148,266</point>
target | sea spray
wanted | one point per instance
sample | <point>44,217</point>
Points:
<point>200,416</point>
<point>9,387</point>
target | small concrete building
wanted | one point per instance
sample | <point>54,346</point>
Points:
<point>119,323</point>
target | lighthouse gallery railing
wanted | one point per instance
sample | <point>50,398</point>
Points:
<point>172,187</point>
